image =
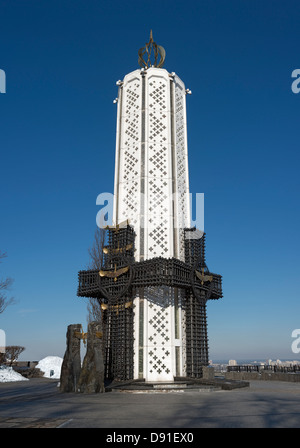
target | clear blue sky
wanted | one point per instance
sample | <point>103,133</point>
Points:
<point>57,141</point>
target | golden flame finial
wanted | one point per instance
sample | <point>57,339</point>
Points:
<point>151,48</point>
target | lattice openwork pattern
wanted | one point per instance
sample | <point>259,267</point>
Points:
<point>132,96</point>
<point>130,157</point>
<point>130,200</point>
<point>195,308</point>
<point>159,317</point>
<point>182,323</point>
<point>117,309</point>
<point>119,244</point>
<point>181,165</point>
<point>159,200</point>
<point>196,336</point>
<point>118,340</point>
<point>158,221</point>
<point>158,160</point>
<point>158,126</point>
<point>194,248</point>
<point>158,93</point>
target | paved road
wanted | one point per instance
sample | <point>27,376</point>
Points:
<point>38,403</point>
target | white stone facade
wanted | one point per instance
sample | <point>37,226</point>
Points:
<point>152,191</point>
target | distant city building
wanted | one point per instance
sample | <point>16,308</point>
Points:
<point>232,362</point>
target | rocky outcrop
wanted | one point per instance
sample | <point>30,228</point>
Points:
<point>71,366</point>
<point>92,372</point>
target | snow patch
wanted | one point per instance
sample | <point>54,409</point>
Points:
<point>7,374</point>
<point>50,366</point>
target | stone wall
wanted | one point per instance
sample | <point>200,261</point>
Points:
<point>265,376</point>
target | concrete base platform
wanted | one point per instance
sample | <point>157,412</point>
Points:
<point>179,385</point>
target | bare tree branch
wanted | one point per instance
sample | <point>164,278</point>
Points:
<point>94,311</point>
<point>96,254</point>
<point>12,352</point>
<point>96,251</point>
<point>5,284</point>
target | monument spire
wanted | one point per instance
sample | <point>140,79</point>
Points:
<point>151,48</point>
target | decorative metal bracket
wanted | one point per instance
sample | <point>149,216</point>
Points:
<point>82,335</point>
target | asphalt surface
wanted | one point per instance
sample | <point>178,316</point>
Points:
<point>37,403</point>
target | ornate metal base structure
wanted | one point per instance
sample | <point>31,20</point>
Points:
<point>121,279</point>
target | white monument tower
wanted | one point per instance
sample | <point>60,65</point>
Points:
<point>154,283</point>
<point>152,192</point>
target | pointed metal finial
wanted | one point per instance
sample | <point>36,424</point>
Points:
<point>151,48</point>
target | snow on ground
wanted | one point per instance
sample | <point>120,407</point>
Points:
<point>7,374</point>
<point>51,366</point>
